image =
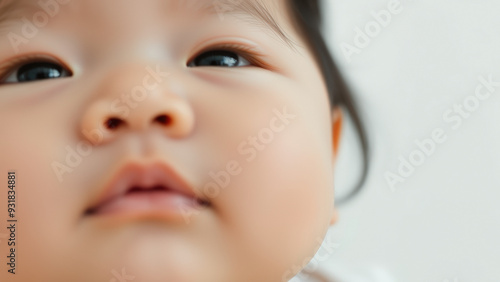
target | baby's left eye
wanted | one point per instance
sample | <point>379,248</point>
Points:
<point>219,58</point>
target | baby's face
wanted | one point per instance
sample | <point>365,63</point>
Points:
<point>161,140</point>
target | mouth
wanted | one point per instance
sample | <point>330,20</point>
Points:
<point>140,190</point>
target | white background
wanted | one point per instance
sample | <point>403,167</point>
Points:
<point>443,223</point>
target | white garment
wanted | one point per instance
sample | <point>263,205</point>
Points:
<point>341,274</point>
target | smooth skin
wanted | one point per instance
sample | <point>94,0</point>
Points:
<point>264,223</point>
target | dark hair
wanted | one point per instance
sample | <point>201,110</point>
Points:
<point>307,16</point>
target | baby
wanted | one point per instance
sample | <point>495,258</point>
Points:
<point>165,140</point>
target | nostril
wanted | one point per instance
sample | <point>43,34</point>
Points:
<point>163,119</point>
<point>114,123</point>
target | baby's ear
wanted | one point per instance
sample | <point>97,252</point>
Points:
<point>335,217</point>
<point>337,122</point>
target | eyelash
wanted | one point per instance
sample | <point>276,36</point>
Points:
<point>246,52</point>
<point>16,63</point>
<point>252,56</point>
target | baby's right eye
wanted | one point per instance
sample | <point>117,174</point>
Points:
<point>35,71</point>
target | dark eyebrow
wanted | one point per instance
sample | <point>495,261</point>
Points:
<point>258,11</point>
<point>5,8</point>
<point>9,8</point>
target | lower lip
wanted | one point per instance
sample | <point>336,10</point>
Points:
<point>155,203</point>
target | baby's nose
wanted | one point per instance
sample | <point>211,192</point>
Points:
<point>136,99</point>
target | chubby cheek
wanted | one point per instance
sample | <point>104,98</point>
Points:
<point>30,144</point>
<point>273,186</point>
<point>279,200</point>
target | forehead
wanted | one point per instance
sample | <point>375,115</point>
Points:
<point>269,14</point>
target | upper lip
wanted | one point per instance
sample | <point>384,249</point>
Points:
<point>144,176</point>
